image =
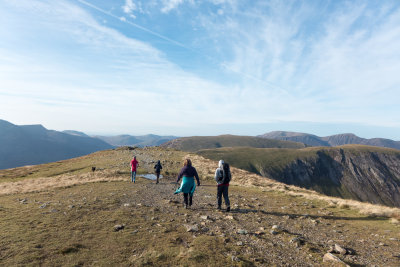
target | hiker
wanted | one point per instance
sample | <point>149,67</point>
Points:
<point>134,164</point>
<point>223,177</point>
<point>158,168</point>
<point>188,172</point>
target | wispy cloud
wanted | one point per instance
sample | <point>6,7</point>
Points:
<point>103,73</point>
<point>335,61</point>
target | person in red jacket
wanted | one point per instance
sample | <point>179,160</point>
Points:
<point>134,164</point>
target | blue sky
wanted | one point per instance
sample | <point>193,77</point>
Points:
<point>188,67</point>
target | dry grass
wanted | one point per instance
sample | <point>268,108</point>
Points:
<point>45,183</point>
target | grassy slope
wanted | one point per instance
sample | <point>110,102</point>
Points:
<point>114,159</point>
<point>206,142</point>
<point>75,227</point>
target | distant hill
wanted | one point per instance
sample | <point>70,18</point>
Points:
<point>34,144</point>
<point>140,141</point>
<point>366,173</point>
<point>196,143</point>
<point>77,133</point>
<point>333,140</point>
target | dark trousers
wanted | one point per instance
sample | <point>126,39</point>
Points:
<point>187,196</point>
<point>223,190</point>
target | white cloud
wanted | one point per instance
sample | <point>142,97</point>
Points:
<point>169,5</point>
<point>129,7</point>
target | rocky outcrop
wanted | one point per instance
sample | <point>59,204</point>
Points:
<point>362,174</point>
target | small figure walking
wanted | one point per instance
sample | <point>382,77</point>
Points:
<point>223,177</point>
<point>157,169</point>
<point>134,164</point>
<point>188,172</point>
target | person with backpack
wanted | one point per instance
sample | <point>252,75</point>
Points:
<point>223,177</point>
<point>187,173</point>
<point>134,164</point>
<point>157,169</point>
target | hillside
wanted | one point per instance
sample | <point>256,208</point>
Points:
<point>363,173</point>
<point>333,140</point>
<point>140,141</point>
<point>308,139</point>
<point>63,214</point>
<point>196,143</point>
<point>34,144</point>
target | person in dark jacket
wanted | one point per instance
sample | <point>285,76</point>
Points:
<point>223,177</point>
<point>157,169</point>
<point>188,172</point>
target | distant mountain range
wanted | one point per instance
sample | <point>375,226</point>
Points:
<point>34,144</point>
<point>333,140</point>
<point>140,141</point>
<point>196,143</point>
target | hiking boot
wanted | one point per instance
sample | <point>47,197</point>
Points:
<point>228,209</point>
<point>186,206</point>
<point>219,208</point>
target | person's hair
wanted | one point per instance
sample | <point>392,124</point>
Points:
<point>134,157</point>
<point>187,162</point>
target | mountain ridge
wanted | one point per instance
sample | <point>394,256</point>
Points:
<point>332,140</point>
<point>195,143</point>
<point>34,144</point>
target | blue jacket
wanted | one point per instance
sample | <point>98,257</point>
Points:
<point>188,171</point>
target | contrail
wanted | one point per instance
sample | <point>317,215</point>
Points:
<point>249,76</point>
<point>135,25</point>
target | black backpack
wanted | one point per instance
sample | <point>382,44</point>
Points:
<point>226,173</point>
<point>220,176</point>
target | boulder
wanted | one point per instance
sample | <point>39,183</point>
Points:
<point>333,260</point>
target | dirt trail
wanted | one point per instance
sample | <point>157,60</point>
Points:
<point>303,230</point>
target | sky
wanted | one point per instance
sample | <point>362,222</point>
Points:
<point>209,67</point>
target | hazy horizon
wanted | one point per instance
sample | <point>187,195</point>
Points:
<point>250,130</point>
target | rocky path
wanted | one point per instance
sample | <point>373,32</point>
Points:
<point>266,228</point>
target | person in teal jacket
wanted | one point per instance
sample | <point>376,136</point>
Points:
<point>187,173</point>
